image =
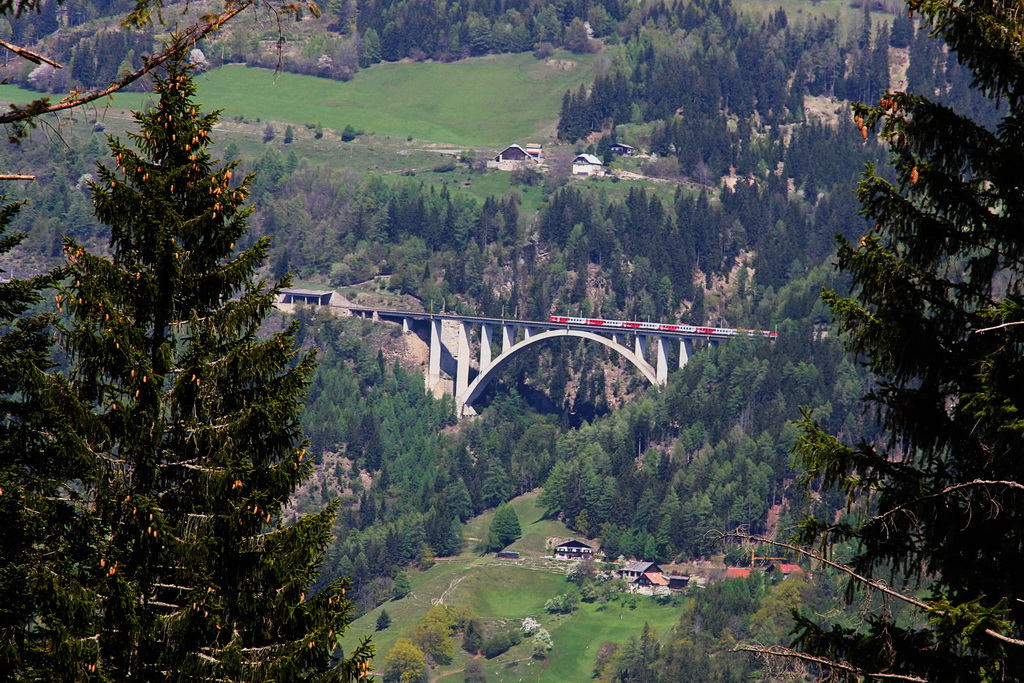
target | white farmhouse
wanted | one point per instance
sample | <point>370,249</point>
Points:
<point>587,164</point>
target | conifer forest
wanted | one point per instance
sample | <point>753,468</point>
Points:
<point>200,484</point>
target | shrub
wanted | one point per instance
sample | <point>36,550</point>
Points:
<point>475,672</point>
<point>565,603</point>
<point>497,644</point>
<point>542,643</point>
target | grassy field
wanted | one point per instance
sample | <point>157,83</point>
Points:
<point>536,528</point>
<point>502,592</point>
<point>505,591</point>
<point>799,12</point>
<point>491,100</point>
<point>578,637</point>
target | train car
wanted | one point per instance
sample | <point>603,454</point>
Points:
<point>662,327</point>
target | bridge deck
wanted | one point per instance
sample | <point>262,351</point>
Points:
<point>386,313</point>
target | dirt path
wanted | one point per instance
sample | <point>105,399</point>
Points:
<point>451,586</point>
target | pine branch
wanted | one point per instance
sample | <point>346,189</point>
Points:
<point>33,57</point>
<point>186,39</point>
<point>877,585</point>
<point>946,491</point>
<point>997,327</point>
<point>1005,639</point>
<point>779,651</point>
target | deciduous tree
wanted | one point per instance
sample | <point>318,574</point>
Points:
<point>405,663</point>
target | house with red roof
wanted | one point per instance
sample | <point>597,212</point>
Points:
<point>737,573</point>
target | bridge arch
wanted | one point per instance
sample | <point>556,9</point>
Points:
<point>481,381</point>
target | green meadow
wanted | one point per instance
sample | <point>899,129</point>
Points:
<point>490,100</point>
<point>503,592</point>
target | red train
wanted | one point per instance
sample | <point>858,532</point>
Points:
<point>663,327</point>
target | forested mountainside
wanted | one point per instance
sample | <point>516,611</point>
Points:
<point>746,254</point>
<point>713,93</point>
<point>651,479</point>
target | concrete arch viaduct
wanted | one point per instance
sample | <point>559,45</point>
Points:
<point>452,368</point>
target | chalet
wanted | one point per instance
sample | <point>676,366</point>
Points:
<point>788,570</point>
<point>587,164</point>
<point>648,582</point>
<point>621,149</point>
<point>651,579</point>
<point>737,573</point>
<point>514,158</point>
<point>314,297</point>
<point>573,550</point>
<point>633,570</point>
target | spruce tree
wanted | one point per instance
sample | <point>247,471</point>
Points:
<point>46,558</point>
<point>196,429</point>
<point>937,314</point>
<point>383,621</point>
<point>504,528</point>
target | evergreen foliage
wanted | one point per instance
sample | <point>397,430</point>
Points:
<point>383,621</point>
<point>936,313</point>
<point>46,558</point>
<point>504,528</point>
<point>496,645</point>
<point>710,452</point>
<point>401,587</point>
<point>473,637</point>
<point>194,430</point>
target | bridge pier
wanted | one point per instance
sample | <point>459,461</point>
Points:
<point>486,339</point>
<point>685,351</point>
<point>434,362</point>
<point>661,365</point>
<point>462,360</point>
